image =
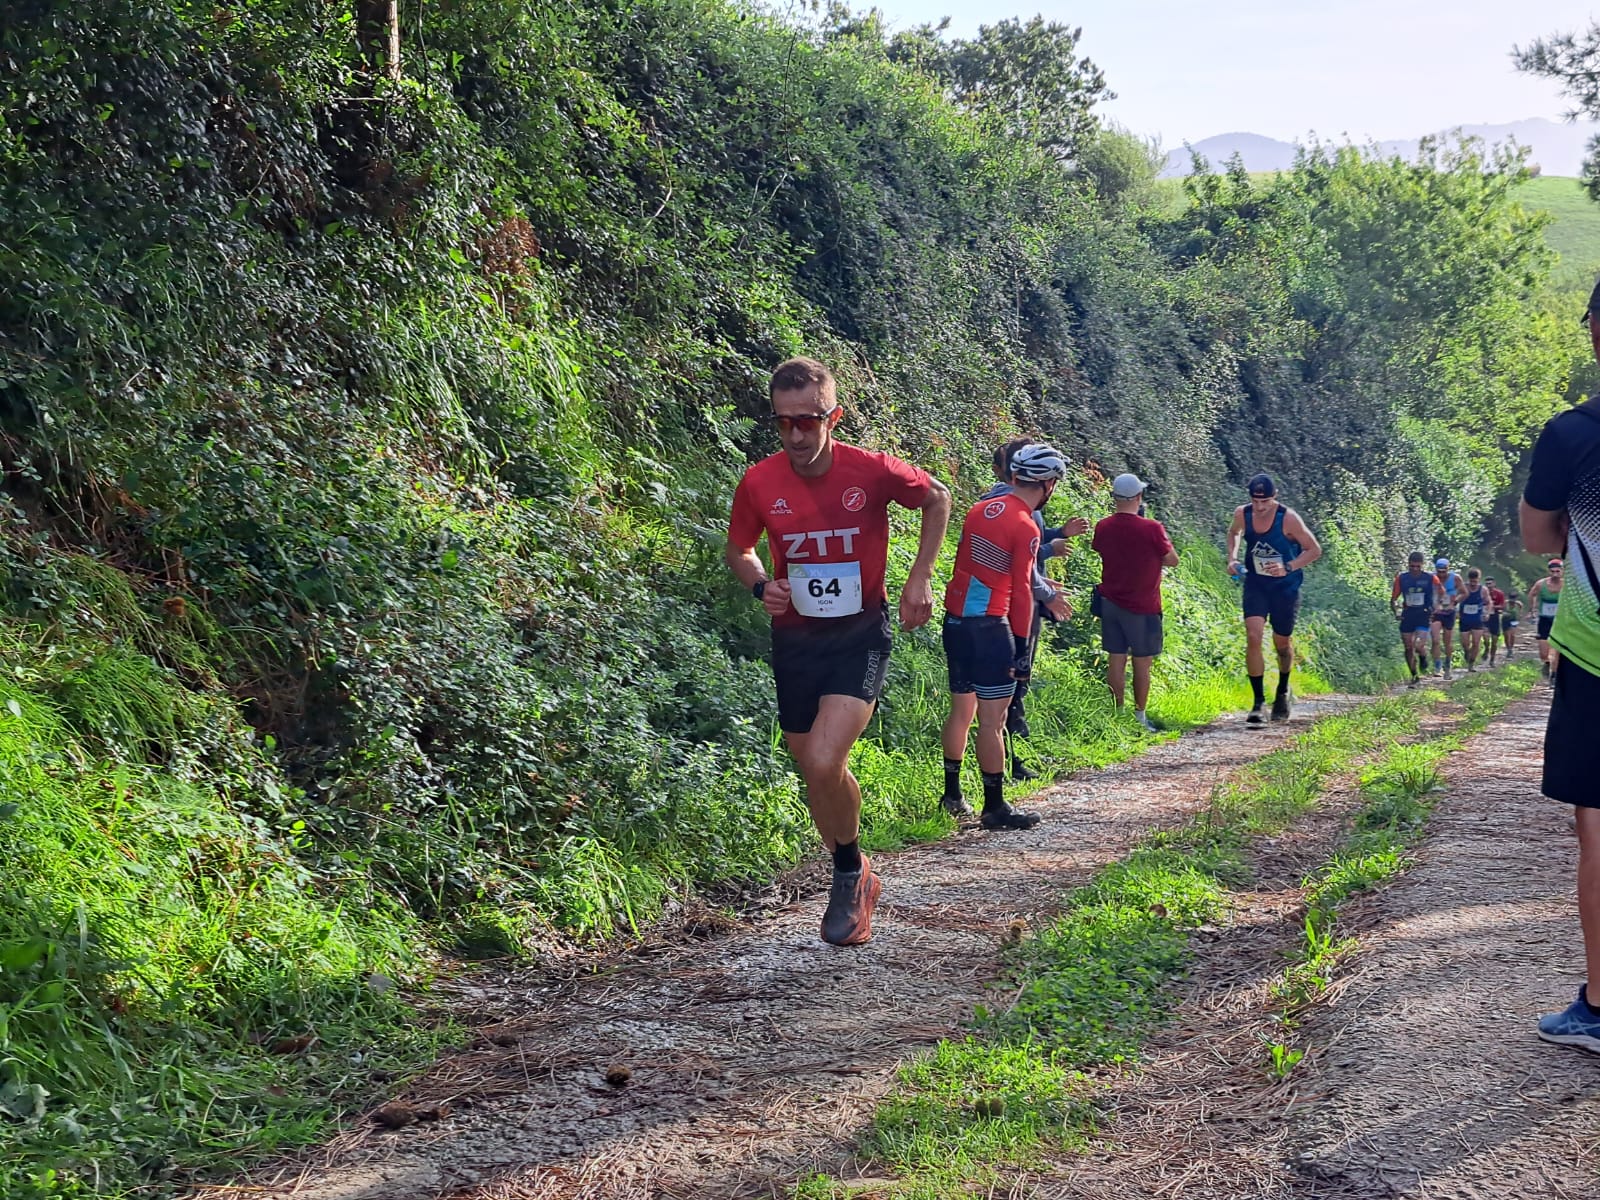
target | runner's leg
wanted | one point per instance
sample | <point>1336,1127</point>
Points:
<point>1589,886</point>
<point>823,756</point>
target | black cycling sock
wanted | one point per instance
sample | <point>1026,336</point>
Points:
<point>847,856</point>
<point>994,789</point>
<point>1258,689</point>
<point>952,777</point>
<point>1283,684</point>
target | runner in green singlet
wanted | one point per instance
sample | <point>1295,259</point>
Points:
<point>1544,600</point>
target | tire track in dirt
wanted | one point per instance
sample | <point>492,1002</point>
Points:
<point>758,1055</point>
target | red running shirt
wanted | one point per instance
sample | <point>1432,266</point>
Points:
<point>994,564</point>
<point>838,517</point>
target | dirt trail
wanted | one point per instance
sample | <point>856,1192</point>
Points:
<point>1439,1085</point>
<point>758,1054</point>
<point>1426,1078</point>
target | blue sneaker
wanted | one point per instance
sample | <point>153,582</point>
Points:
<point>1578,1026</point>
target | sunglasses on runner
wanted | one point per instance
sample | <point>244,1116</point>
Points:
<point>804,422</point>
<point>1555,566</point>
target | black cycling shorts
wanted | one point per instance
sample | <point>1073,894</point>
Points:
<point>1543,633</point>
<point>1414,620</point>
<point>842,656</point>
<point>981,652</point>
<point>1569,774</point>
<point>1445,620</point>
<point>1281,606</point>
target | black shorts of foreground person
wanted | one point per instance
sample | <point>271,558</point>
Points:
<point>850,657</point>
<point>1570,774</point>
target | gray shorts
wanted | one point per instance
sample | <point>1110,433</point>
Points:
<point>1123,632</point>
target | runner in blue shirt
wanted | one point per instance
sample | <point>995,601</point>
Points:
<point>1270,546</point>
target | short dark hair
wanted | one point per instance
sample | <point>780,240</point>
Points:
<point>795,373</point>
<point>1417,556</point>
<point>1004,454</point>
<point>1472,571</point>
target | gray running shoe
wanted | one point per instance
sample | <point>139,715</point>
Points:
<point>1280,707</point>
<point>1255,717</point>
<point>1146,723</point>
<point>848,918</point>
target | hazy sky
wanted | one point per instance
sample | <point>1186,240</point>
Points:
<point>1188,69</point>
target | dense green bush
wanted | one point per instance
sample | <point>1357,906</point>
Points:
<point>367,441</point>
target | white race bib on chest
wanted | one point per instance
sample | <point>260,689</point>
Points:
<point>825,589</point>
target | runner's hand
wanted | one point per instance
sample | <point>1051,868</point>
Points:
<point>916,603</point>
<point>1235,568</point>
<point>1058,607</point>
<point>1076,527</point>
<point>775,597</point>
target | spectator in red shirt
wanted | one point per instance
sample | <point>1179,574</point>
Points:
<point>1132,550</point>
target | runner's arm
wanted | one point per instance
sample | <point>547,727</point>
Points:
<point>916,598</point>
<point>1543,532</point>
<point>1310,548</point>
<point>1394,595</point>
<point>1235,533</point>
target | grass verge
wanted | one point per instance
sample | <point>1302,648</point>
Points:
<point>1094,983</point>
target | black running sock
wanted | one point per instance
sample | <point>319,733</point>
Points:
<point>1283,684</point>
<point>994,789</point>
<point>952,778</point>
<point>1258,689</point>
<point>847,856</point>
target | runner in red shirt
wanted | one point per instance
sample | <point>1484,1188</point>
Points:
<point>988,615</point>
<point>824,508</point>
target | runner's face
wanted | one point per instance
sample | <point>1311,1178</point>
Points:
<point>807,443</point>
<point>1262,505</point>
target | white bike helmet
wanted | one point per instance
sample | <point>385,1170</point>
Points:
<point>1037,464</point>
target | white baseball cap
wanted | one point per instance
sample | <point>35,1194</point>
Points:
<point>1126,486</point>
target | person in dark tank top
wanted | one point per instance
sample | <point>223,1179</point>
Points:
<point>1271,547</point>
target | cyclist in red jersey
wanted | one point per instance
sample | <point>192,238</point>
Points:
<point>824,508</point>
<point>988,617</point>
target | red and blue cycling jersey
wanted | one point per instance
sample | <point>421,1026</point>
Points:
<point>994,564</point>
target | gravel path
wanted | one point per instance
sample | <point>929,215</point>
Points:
<point>760,1053</point>
<point>1425,1077</point>
<point>1437,1084</point>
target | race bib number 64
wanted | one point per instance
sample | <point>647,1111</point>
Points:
<point>825,589</point>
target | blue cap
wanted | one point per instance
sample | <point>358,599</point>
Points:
<point>1261,486</point>
<point>1441,563</point>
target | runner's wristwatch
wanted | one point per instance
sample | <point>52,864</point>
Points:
<point>759,587</point>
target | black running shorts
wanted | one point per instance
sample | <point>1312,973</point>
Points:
<point>1414,620</point>
<point>845,656</point>
<point>1494,625</point>
<point>1569,774</point>
<point>1445,620</point>
<point>981,652</point>
<point>1545,624</point>
<point>1281,606</point>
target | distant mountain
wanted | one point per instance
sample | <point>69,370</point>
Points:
<point>1558,149</point>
